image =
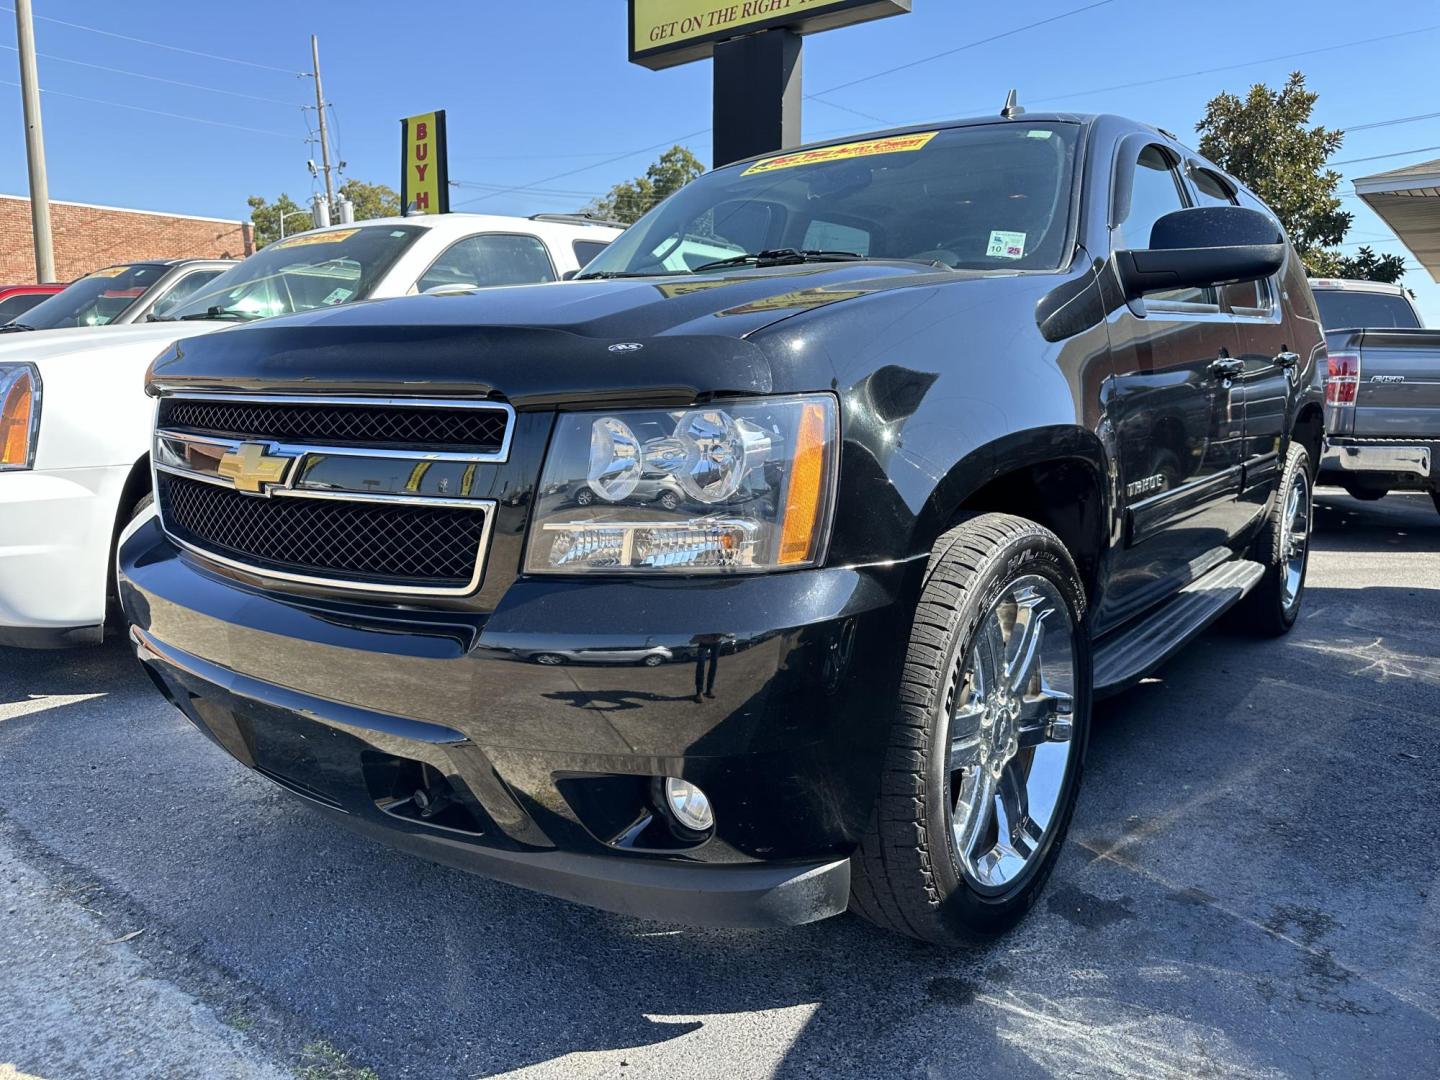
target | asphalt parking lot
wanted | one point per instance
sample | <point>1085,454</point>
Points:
<point>1251,889</point>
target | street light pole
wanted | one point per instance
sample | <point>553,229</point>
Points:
<point>34,144</point>
<point>324,129</point>
<point>284,216</point>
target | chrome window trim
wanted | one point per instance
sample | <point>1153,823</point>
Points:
<point>495,457</point>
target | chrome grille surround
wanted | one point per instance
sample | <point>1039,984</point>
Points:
<point>196,457</point>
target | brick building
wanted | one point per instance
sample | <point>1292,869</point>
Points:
<point>88,237</point>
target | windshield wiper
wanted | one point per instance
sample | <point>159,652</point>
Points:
<point>221,313</point>
<point>606,275</point>
<point>10,327</point>
<point>781,257</point>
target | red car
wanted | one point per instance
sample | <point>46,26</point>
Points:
<point>15,300</point>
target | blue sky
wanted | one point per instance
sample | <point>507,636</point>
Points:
<point>540,93</point>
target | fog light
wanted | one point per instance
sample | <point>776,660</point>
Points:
<point>688,804</point>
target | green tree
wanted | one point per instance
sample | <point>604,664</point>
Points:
<point>371,201</point>
<point>1366,265</point>
<point>1265,139</point>
<point>265,218</point>
<point>670,172</point>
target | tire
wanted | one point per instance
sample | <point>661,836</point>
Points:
<point>921,867</point>
<point>114,618</point>
<point>1283,547</point>
<point>584,497</point>
<point>670,501</point>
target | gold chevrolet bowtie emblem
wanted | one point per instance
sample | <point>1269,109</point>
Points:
<point>250,467</point>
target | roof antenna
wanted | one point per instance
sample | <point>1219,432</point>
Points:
<point>1012,109</point>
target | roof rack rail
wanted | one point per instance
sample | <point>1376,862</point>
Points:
<point>581,218</point>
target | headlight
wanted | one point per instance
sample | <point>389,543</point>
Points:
<point>19,415</point>
<point>741,486</point>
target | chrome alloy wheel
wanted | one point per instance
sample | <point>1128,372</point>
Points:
<point>1009,705</point>
<point>1295,541</point>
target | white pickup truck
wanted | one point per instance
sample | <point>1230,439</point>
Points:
<point>75,421</point>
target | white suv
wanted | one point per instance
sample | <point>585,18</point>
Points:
<point>75,421</point>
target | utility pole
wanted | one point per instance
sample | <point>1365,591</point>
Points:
<point>324,129</point>
<point>34,144</point>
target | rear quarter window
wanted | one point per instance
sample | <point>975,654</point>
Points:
<point>585,250</point>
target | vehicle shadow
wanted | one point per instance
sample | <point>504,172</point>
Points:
<point>1216,910</point>
<point>1398,521</point>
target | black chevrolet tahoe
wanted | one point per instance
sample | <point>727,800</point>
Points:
<point>771,567</point>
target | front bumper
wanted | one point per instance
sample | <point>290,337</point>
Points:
<point>547,761</point>
<point>56,529</point>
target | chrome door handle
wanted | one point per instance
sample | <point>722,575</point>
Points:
<point>1288,360</point>
<point>1227,367</point>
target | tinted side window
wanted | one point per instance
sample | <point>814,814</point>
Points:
<point>12,306</point>
<point>183,289</point>
<point>585,250</point>
<point>491,259</point>
<point>1252,298</point>
<point>1210,190</point>
<point>1155,191</point>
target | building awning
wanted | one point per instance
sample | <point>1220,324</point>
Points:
<point>1408,200</point>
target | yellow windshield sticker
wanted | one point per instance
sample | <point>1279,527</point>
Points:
<point>897,144</point>
<point>334,237</point>
<point>112,271</point>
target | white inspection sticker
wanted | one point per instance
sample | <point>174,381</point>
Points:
<point>1006,245</point>
<point>339,296</point>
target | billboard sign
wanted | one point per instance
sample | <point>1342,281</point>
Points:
<point>664,33</point>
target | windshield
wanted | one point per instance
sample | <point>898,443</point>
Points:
<point>1341,310</point>
<point>989,197</point>
<point>306,271</point>
<point>100,298</point>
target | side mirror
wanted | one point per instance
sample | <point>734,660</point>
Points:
<point>568,274</point>
<point>1201,247</point>
<point>450,288</point>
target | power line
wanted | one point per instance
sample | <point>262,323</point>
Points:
<point>1242,64</point>
<point>153,78</point>
<point>155,112</point>
<point>1377,157</point>
<point>1390,123</point>
<point>158,44</point>
<point>586,168</point>
<point>815,96</point>
<point>961,48</point>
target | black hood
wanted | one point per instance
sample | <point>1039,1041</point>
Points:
<point>537,344</point>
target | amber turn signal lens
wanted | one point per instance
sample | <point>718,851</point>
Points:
<point>17,415</point>
<point>803,509</point>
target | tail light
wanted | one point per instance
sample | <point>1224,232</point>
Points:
<point>19,415</point>
<point>1343,379</point>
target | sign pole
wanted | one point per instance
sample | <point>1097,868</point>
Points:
<point>757,97</point>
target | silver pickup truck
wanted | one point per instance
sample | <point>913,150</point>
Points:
<point>1382,391</point>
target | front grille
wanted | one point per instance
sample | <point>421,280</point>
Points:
<point>385,543</point>
<point>475,429</point>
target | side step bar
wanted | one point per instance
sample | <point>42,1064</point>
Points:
<point>1123,660</point>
